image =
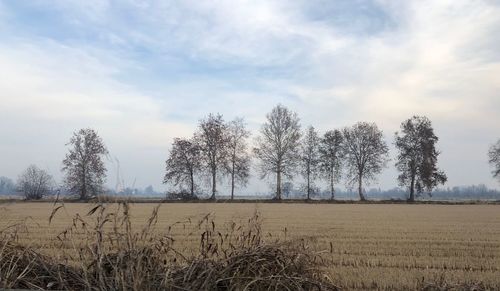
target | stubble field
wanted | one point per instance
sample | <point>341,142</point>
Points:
<point>372,246</point>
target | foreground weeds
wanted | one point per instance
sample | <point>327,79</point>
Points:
<point>108,254</point>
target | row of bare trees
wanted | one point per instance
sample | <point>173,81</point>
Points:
<point>217,149</point>
<point>220,149</point>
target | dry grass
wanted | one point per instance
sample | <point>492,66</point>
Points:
<point>107,253</point>
<point>438,247</point>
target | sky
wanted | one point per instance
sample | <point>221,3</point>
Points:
<point>143,72</point>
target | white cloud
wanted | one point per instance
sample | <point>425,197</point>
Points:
<point>439,59</point>
<point>49,91</point>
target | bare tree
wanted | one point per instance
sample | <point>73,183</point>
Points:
<point>278,145</point>
<point>85,172</point>
<point>239,159</point>
<point>35,183</point>
<point>212,137</point>
<point>365,153</point>
<point>417,156</point>
<point>331,158</point>
<point>494,159</point>
<point>183,163</point>
<point>309,158</point>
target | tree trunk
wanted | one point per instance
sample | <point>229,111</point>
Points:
<point>83,195</point>
<point>214,183</point>
<point>412,189</point>
<point>84,192</point>
<point>232,181</point>
<point>360,188</point>
<point>192,184</point>
<point>37,190</point>
<point>308,185</point>
<point>332,188</point>
<point>278,185</point>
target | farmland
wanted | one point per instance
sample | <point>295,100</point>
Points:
<point>372,246</point>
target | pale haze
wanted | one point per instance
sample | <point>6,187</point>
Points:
<point>144,72</point>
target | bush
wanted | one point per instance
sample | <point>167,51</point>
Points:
<point>181,195</point>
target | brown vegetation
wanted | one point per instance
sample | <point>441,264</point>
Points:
<point>358,246</point>
<point>108,254</point>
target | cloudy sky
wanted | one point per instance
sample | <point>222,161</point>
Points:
<point>143,72</point>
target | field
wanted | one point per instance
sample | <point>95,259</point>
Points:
<point>375,246</point>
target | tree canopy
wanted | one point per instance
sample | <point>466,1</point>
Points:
<point>85,171</point>
<point>366,153</point>
<point>277,147</point>
<point>417,157</point>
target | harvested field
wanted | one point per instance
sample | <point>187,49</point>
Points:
<point>365,246</point>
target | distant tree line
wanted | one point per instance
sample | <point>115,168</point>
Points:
<point>219,151</point>
<point>7,186</point>
<point>468,192</point>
